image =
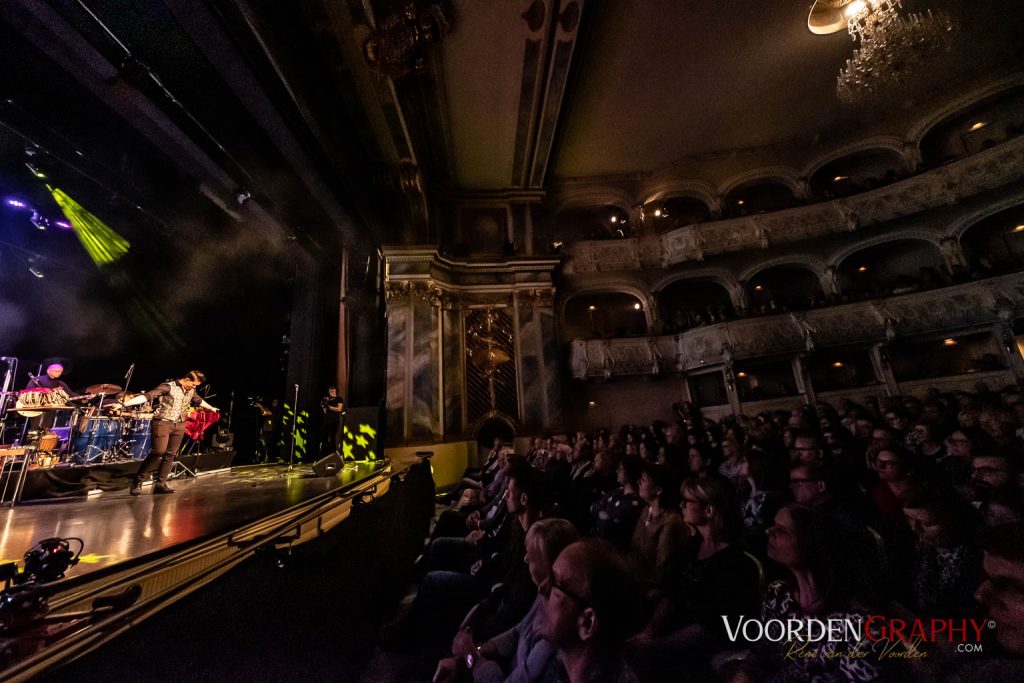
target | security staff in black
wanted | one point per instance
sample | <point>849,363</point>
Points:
<point>172,400</point>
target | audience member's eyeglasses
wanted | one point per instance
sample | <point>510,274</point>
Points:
<point>552,582</point>
<point>886,464</point>
<point>990,470</point>
<point>801,480</point>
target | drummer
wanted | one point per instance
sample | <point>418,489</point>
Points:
<point>51,380</point>
<point>172,399</point>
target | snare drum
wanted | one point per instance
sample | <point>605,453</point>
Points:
<point>99,434</point>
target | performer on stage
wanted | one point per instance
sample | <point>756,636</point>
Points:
<point>173,399</point>
<point>51,380</point>
<point>334,409</point>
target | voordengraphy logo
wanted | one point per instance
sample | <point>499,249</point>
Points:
<point>852,630</point>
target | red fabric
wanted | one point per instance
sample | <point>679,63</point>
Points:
<point>199,421</point>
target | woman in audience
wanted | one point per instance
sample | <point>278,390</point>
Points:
<point>763,477</point>
<point>947,561</point>
<point>713,577</point>
<point>823,581</point>
<point>615,515</point>
<point>660,534</point>
<point>521,651</point>
<point>732,453</point>
<point>699,459</point>
<point>895,485</point>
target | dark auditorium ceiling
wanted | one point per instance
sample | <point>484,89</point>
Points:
<point>613,88</point>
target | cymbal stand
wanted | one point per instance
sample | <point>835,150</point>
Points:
<point>6,390</point>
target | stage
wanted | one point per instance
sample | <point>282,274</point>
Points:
<point>117,527</point>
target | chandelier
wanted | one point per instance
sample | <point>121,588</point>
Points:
<point>895,49</point>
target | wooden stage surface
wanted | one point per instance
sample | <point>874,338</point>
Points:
<point>117,527</point>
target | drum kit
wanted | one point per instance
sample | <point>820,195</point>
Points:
<point>103,425</point>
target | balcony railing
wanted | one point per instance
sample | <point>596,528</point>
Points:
<point>981,172</point>
<point>996,301</point>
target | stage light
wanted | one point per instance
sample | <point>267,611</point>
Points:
<point>949,342</point>
<point>17,204</point>
<point>35,271</point>
<point>591,308</point>
<point>101,242</point>
<point>38,221</point>
<point>35,171</point>
<point>242,197</point>
<point>63,224</point>
<point>637,306</point>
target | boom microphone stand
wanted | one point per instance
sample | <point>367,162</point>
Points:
<point>295,426</point>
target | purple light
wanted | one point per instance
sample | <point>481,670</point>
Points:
<point>63,224</point>
<point>17,203</point>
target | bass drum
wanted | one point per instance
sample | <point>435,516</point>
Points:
<point>97,436</point>
<point>140,432</point>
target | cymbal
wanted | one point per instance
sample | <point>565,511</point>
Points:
<point>32,409</point>
<point>105,389</point>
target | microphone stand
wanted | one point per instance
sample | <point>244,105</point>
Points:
<point>295,426</point>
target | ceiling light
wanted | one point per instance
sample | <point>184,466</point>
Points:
<point>591,308</point>
<point>840,178</point>
<point>657,213</point>
<point>894,47</point>
<point>949,342</point>
<point>977,125</point>
<point>862,269</point>
<point>636,306</point>
<point>741,374</point>
<point>615,219</point>
<point>740,202</point>
<point>837,364</point>
<point>35,271</point>
<point>758,287</point>
<point>591,403</point>
<point>1019,228</point>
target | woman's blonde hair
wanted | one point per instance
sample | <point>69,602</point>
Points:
<point>549,537</point>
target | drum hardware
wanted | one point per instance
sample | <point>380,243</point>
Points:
<point>103,389</point>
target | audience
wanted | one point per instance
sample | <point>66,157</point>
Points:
<point>900,507</point>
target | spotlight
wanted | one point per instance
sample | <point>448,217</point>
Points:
<point>837,364</point>
<point>591,308</point>
<point>862,269</point>
<point>978,125</point>
<point>657,213</point>
<point>615,219</point>
<point>741,374</point>
<point>949,342</point>
<point>35,171</point>
<point>17,204</point>
<point>242,197</point>
<point>636,306</point>
<point>38,221</point>
<point>35,271</point>
<point>63,224</point>
<point>1019,228</point>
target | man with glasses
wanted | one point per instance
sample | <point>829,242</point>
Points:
<point>591,608</point>
<point>995,475</point>
<point>1002,595</point>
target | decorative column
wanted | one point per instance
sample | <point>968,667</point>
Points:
<point>803,378</point>
<point>883,371</point>
<point>537,350</point>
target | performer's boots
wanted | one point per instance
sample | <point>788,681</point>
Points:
<point>136,489</point>
<point>162,487</point>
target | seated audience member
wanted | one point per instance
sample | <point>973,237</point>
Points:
<point>1000,509</point>
<point>660,535</point>
<point>924,442</point>
<point>615,515</point>
<point>714,577</point>
<point>1001,593</point>
<point>732,452</point>
<point>960,446</point>
<point>814,486</point>
<point>700,460</point>
<point>947,561</point>
<point>444,596</point>
<point>521,650</point>
<point>806,449</point>
<point>763,476</point>
<point>824,581</point>
<point>895,484</point>
<point>591,608</point>
<point>995,475</point>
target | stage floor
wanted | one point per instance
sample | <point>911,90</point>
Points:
<point>117,527</point>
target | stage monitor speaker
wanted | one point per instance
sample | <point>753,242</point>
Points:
<point>359,437</point>
<point>327,467</point>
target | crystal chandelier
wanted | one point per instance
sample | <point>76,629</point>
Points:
<point>894,49</point>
